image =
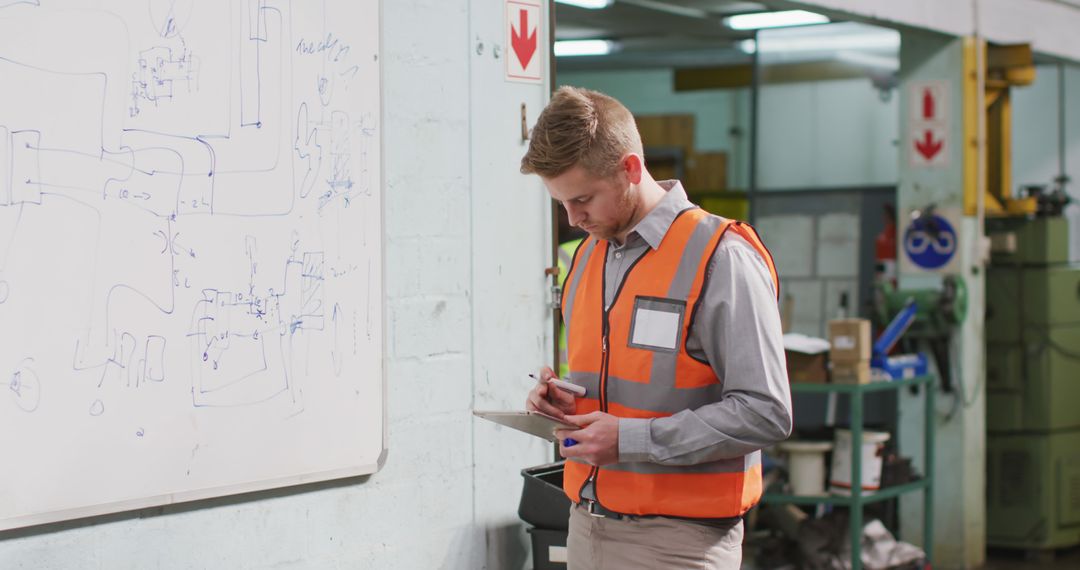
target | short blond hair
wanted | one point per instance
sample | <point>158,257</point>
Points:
<point>581,127</point>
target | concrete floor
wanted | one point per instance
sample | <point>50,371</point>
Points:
<point>1004,559</point>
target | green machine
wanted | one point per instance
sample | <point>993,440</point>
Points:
<point>938,312</point>
<point>1032,385</point>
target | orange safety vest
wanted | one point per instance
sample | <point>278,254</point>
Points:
<point>627,379</point>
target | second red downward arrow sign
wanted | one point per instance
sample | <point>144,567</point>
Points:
<point>928,123</point>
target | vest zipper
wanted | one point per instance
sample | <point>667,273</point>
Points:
<point>604,360</point>
<point>605,338</point>
<point>604,332</point>
<point>605,356</point>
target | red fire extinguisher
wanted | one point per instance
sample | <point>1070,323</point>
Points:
<point>885,249</point>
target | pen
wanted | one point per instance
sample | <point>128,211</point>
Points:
<point>563,385</point>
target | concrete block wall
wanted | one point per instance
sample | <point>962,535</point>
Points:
<point>439,502</point>
<point>815,239</point>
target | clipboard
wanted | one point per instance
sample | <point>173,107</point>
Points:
<point>536,423</point>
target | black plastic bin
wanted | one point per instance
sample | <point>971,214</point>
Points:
<point>543,502</point>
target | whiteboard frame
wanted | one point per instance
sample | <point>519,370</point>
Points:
<point>114,507</point>
<point>190,496</point>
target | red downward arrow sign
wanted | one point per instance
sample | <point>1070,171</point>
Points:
<point>928,147</point>
<point>524,45</point>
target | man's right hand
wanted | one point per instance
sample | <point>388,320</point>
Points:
<point>549,400</point>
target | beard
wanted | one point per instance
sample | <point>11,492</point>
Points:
<point>623,220</point>
<point>603,231</point>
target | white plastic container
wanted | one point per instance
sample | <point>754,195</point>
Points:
<point>873,451</point>
<point>806,465</point>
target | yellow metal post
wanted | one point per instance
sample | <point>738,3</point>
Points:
<point>1005,67</point>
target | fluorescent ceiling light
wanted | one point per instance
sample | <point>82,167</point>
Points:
<point>569,48</point>
<point>774,20</point>
<point>886,40</point>
<point>589,4</point>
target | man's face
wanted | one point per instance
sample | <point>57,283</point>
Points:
<point>604,207</point>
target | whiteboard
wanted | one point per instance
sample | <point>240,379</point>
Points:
<point>190,250</point>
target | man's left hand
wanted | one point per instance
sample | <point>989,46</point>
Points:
<point>597,440</point>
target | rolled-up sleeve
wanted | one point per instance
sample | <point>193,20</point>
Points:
<point>737,330</point>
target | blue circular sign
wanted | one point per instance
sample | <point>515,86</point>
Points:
<point>930,242</point>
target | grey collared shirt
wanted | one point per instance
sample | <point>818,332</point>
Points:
<point>737,330</point>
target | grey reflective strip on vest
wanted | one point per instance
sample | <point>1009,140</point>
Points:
<point>587,380</point>
<point>662,376</point>
<point>565,258</point>
<point>639,395</point>
<point>571,290</point>
<point>642,396</point>
<point>732,465</point>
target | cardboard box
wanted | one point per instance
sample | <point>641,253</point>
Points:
<point>849,340</point>
<point>706,171</point>
<point>808,368</point>
<point>851,372</point>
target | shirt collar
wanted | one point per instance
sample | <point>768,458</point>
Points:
<point>655,224</point>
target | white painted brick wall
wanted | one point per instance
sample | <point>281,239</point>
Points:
<point>439,502</point>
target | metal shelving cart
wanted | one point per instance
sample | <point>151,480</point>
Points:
<point>857,499</point>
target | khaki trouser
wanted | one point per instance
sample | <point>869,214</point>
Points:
<point>650,542</point>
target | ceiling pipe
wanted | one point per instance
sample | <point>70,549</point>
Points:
<point>668,8</point>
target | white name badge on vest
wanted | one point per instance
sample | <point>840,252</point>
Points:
<point>657,324</point>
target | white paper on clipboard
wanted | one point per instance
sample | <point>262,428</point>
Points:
<point>539,424</point>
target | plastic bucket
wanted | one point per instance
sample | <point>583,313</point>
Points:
<point>806,465</point>
<point>873,451</point>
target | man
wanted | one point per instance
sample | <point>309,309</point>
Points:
<point>673,330</point>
